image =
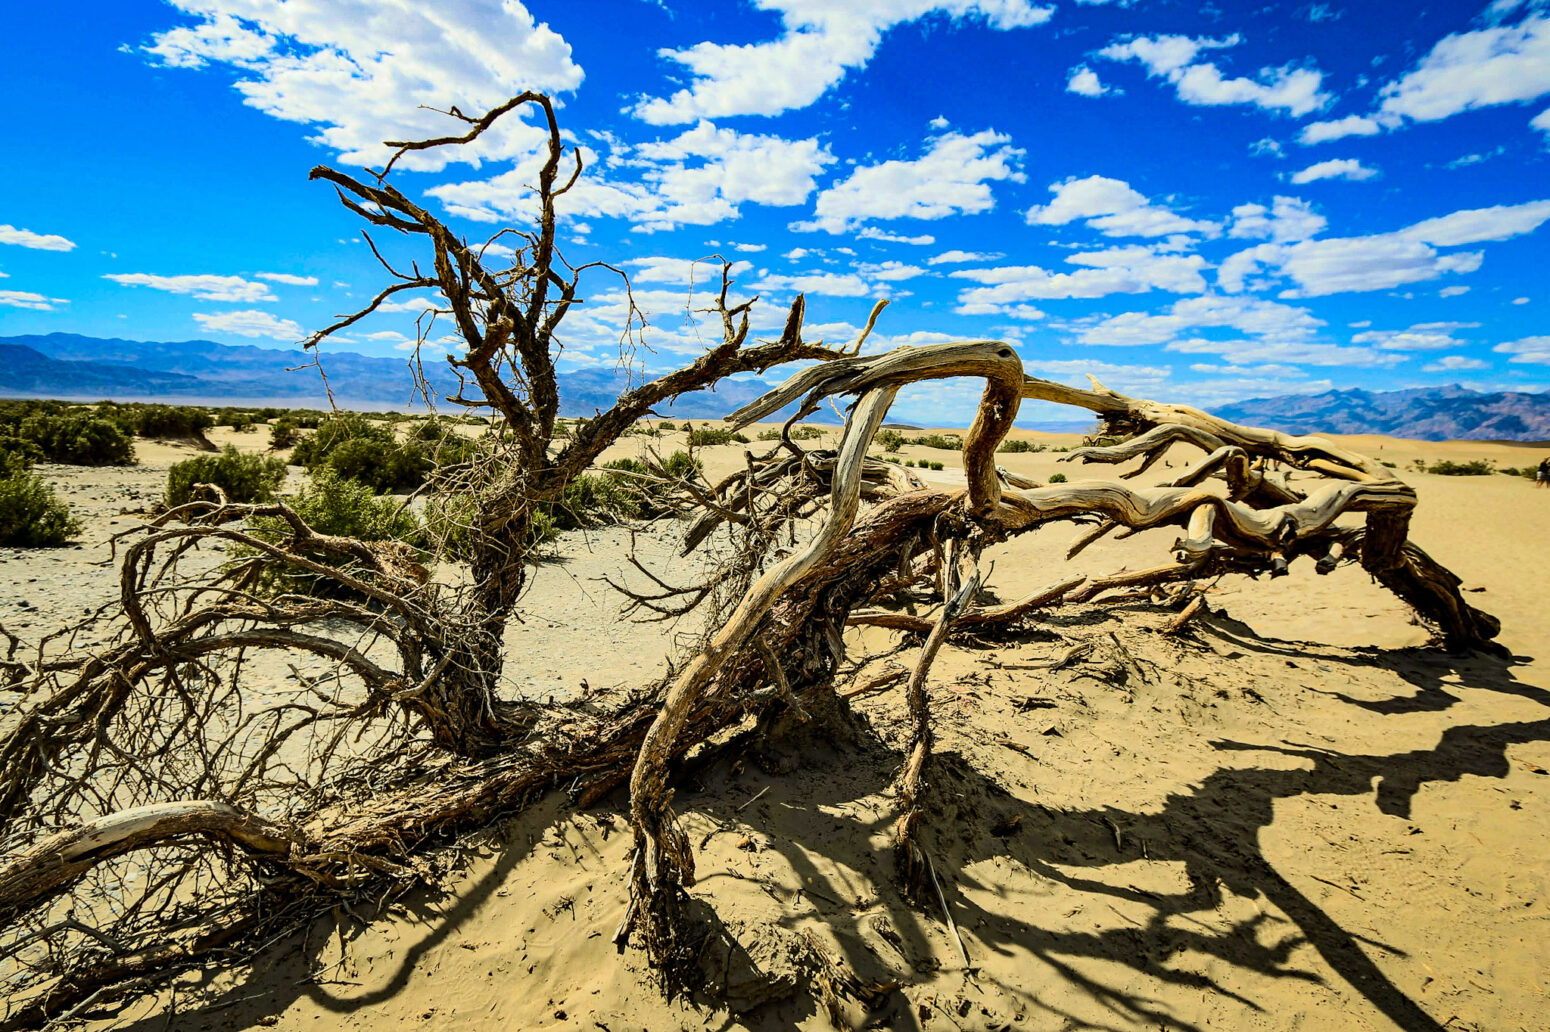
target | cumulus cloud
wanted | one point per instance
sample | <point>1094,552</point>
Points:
<point>1342,264</point>
<point>1497,64</point>
<point>250,322</point>
<point>1085,82</point>
<point>1334,168</point>
<point>831,284</point>
<point>1114,208</point>
<point>1287,219</point>
<point>953,177</point>
<point>35,241</point>
<point>1432,336</point>
<point>364,73</point>
<point>681,270</point>
<point>288,279</point>
<point>1452,291</point>
<point>956,257</point>
<point>1268,320</point>
<point>1454,363</point>
<point>1119,270</point>
<point>700,177</point>
<point>820,42</point>
<point>1533,350</point>
<point>201,287</point>
<point>873,233</point>
<point>1339,129</point>
<point>28,300</point>
<point>1289,88</point>
<point>1477,225</point>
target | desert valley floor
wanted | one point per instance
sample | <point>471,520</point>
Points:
<point>1293,815</point>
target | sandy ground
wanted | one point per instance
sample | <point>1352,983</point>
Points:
<point>1297,817</point>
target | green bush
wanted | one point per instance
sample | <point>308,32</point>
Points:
<point>284,433</point>
<point>170,420</point>
<point>244,478</point>
<point>332,504</point>
<point>366,451</point>
<point>891,440</point>
<point>707,435</point>
<point>1474,468</point>
<point>936,465</point>
<point>1017,445</point>
<point>948,442</point>
<point>18,453</point>
<point>666,425</point>
<point>682,466</point>
<point>77,438</point>
<point>1057,478</point>
<point>31,515</point>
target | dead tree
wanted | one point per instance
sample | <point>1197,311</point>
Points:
<point>150,747</point>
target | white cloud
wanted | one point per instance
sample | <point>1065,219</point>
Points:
<point>681,270</point>
<point>288,279</point>
<point>1485,67</point>
<point>249,323</point>
<point>1452,291</point>
<point>952,178</point>
<point>821,41</point>
<point>364,73</point>
<point>1452,363</point>
<point>699,177</point>
<point>1114,208</point>
<point>1534,350</point>
<point>36,241</point>
<point>1477,225</point>
<point>1308,353</point>
<point>1119,270</point>
<point>1267,146</point>
<point>1339,129</point>
<point>1287,219</point>
<point>831,284</point>
<point>1085,82</point>
<point>1292,89</point>
<point>202,287</point>
<point>956,257</point>
<point>28,300</point>
<point>1268,320</point>
<point>1334,168</point>
<point>1342,264</point>
<point>1520,300</point>
<point>890,271</point>
<point>748,248</point>
<point>873,233</point>
<point>1541,122</point>
<point>1435,336</point>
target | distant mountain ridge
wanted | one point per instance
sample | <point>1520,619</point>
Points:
<point>75,367</point>
<point>1450,413</point>
<point>80,368</point>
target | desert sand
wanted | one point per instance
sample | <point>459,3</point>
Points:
<point>1295,815</point>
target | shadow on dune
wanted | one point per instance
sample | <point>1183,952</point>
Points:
<point>827,808</point>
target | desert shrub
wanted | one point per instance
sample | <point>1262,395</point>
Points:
<point>365,451</point>
<point>910,463</point>
<point>891,440</point>
<point>1473,468</point>
<point>683,466</point>
<point>31,515</point>
<point>1057,478</point>
<point>332,504</point>
<point>1018,445</point>
<point>17,453</point>
<point>948,442</point>
<point>800,433</point>
<point>244,478</point>
<point>935,465</point>
<point>707,435</point>
<point>380,467</point>
<point>170,420</point>
<point>444,445</point>
<point>78,438</point>
<point>666,425</point>
<point>1527,472</point>
<point>284,433</point>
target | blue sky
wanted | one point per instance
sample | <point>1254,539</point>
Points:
<point>1193,203</point>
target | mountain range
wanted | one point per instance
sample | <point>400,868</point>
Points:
<point>71,366</point>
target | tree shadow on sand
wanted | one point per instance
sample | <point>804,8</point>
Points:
<point>827,807</point>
